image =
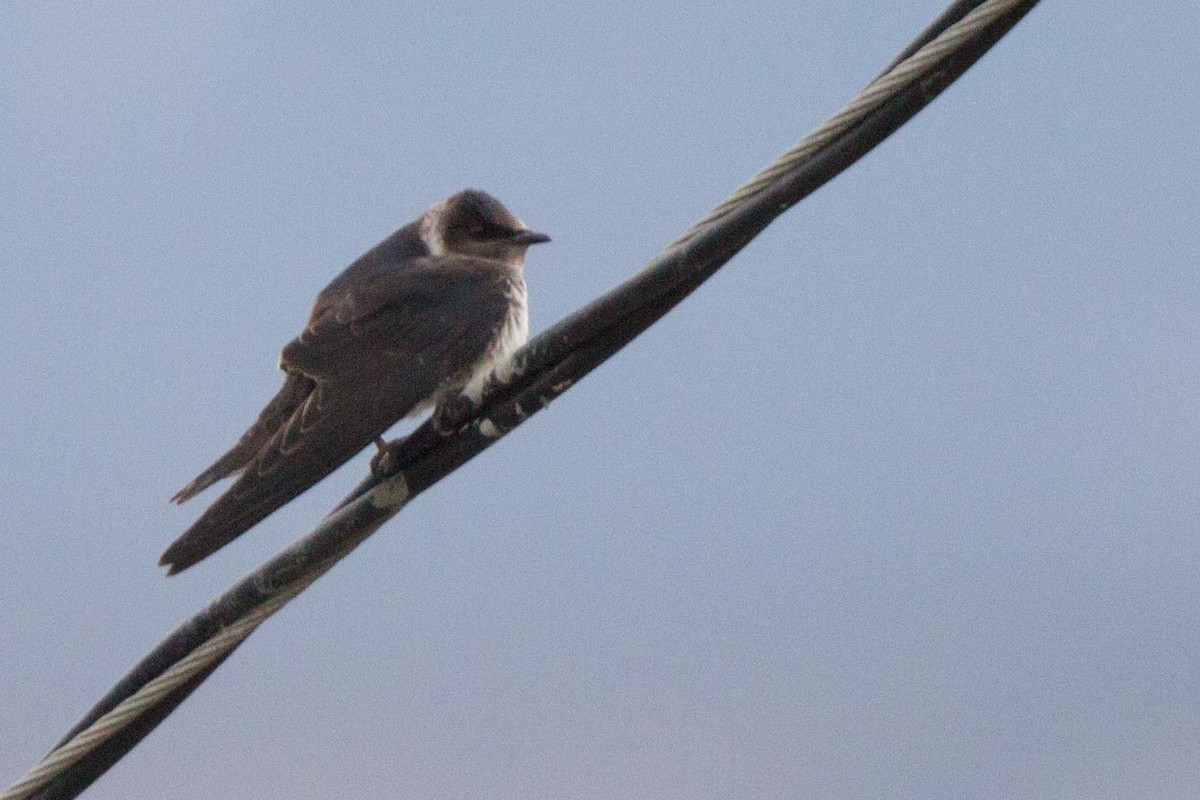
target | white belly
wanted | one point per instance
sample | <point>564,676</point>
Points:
<point>513,334</point>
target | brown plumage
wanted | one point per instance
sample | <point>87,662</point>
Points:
<point>425,314</point>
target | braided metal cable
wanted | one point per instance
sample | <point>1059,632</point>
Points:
<point>237,613</point>
<point>147,697</point>
<point>389,496</point>
<point>871,97</point>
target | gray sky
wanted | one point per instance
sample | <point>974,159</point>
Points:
<point>903,503</point>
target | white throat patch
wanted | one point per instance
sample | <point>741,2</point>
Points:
<point>432,227</point>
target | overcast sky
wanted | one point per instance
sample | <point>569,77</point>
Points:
<point>903,503</point>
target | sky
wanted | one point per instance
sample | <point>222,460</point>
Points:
<point>902,503</point>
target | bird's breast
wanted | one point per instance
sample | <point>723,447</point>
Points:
<point>512,334</point>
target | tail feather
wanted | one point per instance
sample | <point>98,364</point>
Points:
<point>229,517</point>
<point>249,501</point>
<point>296,457</point>
<point>226,465</point>
<point>295,388</point>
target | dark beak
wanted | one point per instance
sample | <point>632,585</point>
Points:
<point>528,237</point>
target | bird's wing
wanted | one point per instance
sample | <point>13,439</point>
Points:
<point>296,387</point>
<point>400,251</point>
<point>382,351</point>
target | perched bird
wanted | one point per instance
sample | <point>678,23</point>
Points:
<point>422,317</point>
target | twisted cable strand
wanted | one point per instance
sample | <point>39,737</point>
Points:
<point>886,86</point>
<point>151,694</point>
<point>871,97</point>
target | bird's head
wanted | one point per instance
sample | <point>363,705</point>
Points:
<point>473,223</point>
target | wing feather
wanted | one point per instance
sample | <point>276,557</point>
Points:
<point>371,358</point>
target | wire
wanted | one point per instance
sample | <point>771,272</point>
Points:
<point>541,371</point>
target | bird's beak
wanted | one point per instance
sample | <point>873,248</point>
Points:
<point>528,237</point>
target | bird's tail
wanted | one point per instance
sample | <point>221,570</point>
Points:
<point>294,458</point>
<point>249,501</point>
<point>296,387</point>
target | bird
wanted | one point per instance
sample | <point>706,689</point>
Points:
<point>421,319</point>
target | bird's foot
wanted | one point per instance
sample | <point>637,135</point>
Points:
<point>448,416</point>
<point>386,459</point>
<point>446,419</point>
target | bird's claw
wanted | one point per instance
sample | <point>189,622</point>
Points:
<point>384,462</point>
<point>448,415</point>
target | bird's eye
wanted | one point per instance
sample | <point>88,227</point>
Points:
<point>485,232</point>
